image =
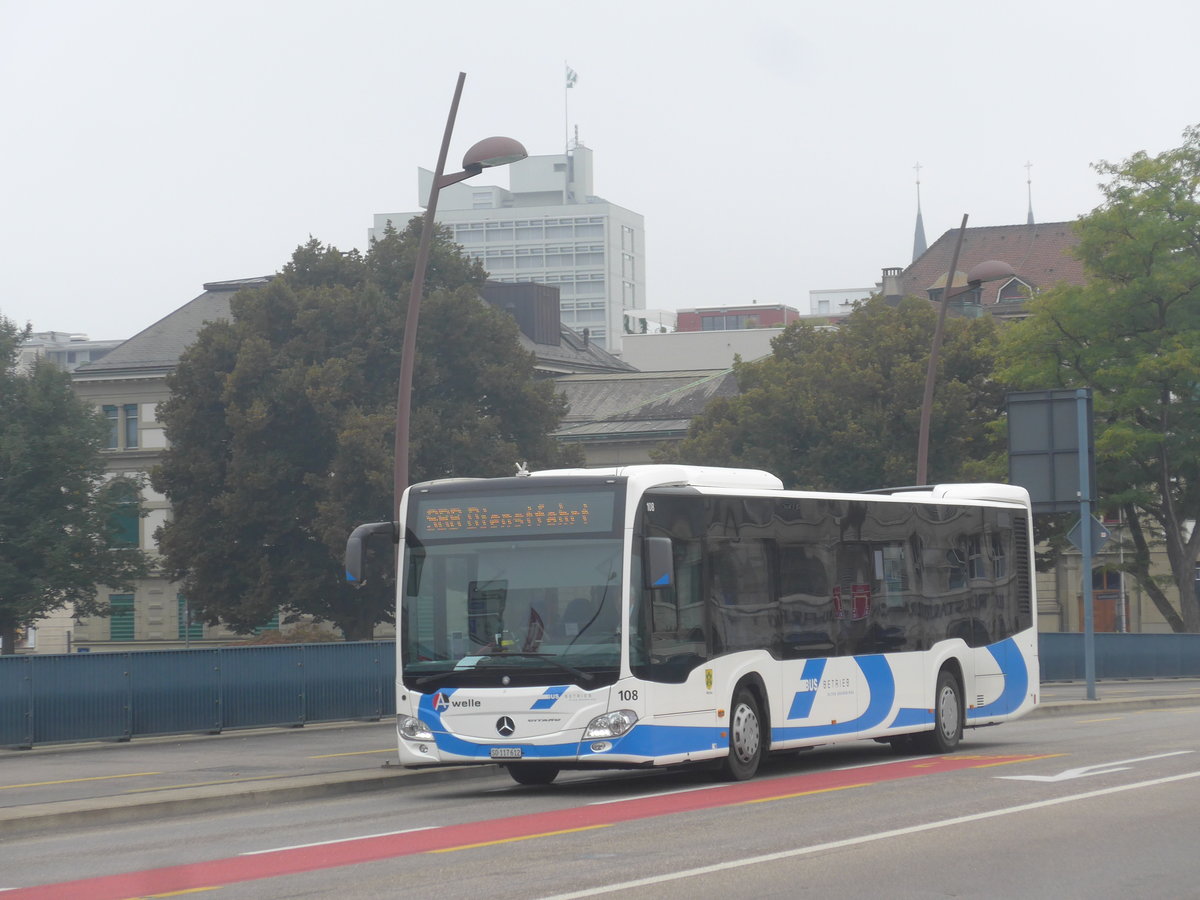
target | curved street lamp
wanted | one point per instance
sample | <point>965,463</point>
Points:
<point>990,270</point>
<point>493,151</point>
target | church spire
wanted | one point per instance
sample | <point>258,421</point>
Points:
<point>919,245</point>
<point>1029,191</point>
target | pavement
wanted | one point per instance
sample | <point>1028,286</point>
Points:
<point>103,783</point>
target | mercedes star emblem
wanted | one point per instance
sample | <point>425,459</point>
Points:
<point>505,726</point>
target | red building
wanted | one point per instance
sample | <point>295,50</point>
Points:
<point>729,318</point>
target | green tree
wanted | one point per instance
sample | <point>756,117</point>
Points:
<point>838,409</point>
<point>1132,335</point>
<point>63,526</point>
<point>281,424</point>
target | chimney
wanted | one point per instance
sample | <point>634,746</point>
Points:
<point>891,282</point>
<point>587,334</point>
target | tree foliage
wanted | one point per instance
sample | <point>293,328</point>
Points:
<point>61,521</point>
<point>281,425</point>
<point>838,409</point>
<point>1132,335</point>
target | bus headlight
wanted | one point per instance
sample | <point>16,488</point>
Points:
<point>413,729</point>
<point>610,725</point>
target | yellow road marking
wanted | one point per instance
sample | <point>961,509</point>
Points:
<point>171,787</point>
<point>7,787</point>
<point>526,837</point>
<point>175,893</point>
<point>1105,719</point>
<point>355,753</point>
<point>844,787</point>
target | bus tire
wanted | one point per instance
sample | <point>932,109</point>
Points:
<point>745,737</point>
<point>533,773</point>
<point>947,717</point>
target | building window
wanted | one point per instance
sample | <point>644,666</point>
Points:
<point>112,415</point>
<point>120,622</point>
<point>127,515</point>
<point>1014,291</point>
<point>122,424</point>
<point>130,411</point>
<point>188,628</point>
<point>728,323</point>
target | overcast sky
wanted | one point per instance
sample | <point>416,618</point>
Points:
<point>152,146</point>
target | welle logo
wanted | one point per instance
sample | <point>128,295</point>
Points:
<point>442,702</point>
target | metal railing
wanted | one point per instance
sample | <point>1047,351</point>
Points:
<point>118,696</point>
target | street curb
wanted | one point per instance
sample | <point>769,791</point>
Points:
<point>30,819</point>
<point>185,801</point>
<point>1116,705</point>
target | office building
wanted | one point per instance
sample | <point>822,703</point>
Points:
<point>548,227</point>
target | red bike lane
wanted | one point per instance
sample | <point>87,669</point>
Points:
<point>290,861</point>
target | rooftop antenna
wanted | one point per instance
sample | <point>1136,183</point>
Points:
<point>571,78</point>
<point>1029,191</point>
<point>919,245</point>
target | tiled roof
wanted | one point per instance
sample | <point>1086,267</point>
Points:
<point>156,350</point>
<point>1040,254</point>
<point>643,404</point>
<point>573,354</point>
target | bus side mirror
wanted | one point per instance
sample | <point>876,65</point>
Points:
<point>356,548</point>
<point>658,562</point>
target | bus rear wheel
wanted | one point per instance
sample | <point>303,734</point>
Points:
<point>745,737</point>
<point>947,717</point>
<point>533,773</point>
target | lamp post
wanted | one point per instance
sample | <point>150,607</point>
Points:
<point>493,151</point>
<point>985,271</point>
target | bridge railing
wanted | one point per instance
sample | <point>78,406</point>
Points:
<point>118,696</point>
<point>1120,656</point>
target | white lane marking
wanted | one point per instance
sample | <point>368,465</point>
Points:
<point>360,837</point>
<point>689,790</point>
<point>864,839</point>
<point>1097,769</point>
<point>888,762</point>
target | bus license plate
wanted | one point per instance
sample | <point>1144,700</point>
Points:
<point>506,752</point>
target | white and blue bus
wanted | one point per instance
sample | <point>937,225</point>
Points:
<point>657,615</point>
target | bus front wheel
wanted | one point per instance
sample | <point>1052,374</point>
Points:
<point>947,717</point>
<point>533,773</point>
<point>745,737</point>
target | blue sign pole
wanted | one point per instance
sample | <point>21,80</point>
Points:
<point>1085,545</point>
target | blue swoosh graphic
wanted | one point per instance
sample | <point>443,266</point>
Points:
<point>881,685</point>
<point>1016,680</point>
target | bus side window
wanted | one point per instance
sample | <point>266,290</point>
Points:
<point>678,637</point>
<point>745,615</point>
<point>807,603</point>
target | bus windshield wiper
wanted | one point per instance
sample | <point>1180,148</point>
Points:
<point>548,657</point>
<point>453,674</point>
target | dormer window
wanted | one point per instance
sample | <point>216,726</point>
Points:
<point>1014,291</point>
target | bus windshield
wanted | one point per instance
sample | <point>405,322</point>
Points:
<point>497,594</point>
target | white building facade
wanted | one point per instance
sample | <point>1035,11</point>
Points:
<point>548,227</point>
<point>836,301</point>
<point>67,350</point>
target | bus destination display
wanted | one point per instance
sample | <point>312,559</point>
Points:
<point>527,513</point>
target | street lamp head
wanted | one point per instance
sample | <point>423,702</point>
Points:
<point>990,270</point>
<point>494,151</point>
